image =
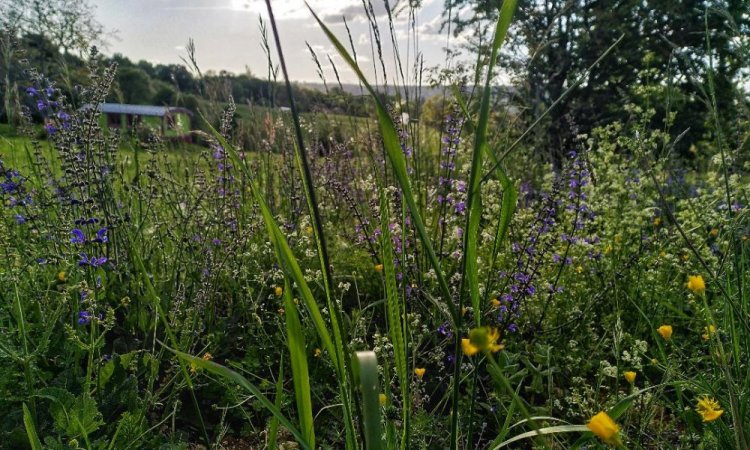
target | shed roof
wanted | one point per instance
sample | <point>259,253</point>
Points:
<point>140,110</point>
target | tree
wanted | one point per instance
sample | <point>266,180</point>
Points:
<point>134,85</point>
<point>68,24</point>
<point>552,43</point>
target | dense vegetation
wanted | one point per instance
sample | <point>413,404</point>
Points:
<point>495,272</point>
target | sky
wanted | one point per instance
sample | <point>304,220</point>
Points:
<point>227,33</point>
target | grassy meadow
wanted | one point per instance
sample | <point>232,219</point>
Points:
<point>304,280</point>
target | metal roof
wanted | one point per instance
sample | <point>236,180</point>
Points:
<point>140,110</point>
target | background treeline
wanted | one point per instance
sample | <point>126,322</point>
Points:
<point>158,84</point>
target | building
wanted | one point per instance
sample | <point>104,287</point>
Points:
<point>170,122</point>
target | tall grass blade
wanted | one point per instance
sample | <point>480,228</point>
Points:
<point>300,374</point>
<point>473,197</point>
<point>469,263</point>
<point>28,423</point>
<point>396,316</point>
<point>303,165</point>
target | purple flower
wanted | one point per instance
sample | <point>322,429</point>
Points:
<point>98,262</point>
<point>445,330</point>
<point>31,91</point>
<point>101,236</point>
<point>84,317</point>
<point>78,236</point>
<point>20,219</point>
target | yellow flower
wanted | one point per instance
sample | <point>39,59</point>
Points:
<point>317,352</point>
<point>665,331</point>
<point>378,268</point>
<point>61,277</point>
<point>714,232</point>
<point>207,356</point>
<point>696,284</point>
<point>482,339</point>
<point>419,372</point>
<point>278,290</point>
<point>657,221</point>
<point>708,332</point>
<point>709,408</point>
<point>630,376</point>
<point>309,230</point>
<point>495,303</point>
<point>468,348</point>
<point>604,427</point>
<point>579,269</point>
<point>383,399</point>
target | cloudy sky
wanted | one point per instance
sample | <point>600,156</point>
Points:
<point>227,33</point>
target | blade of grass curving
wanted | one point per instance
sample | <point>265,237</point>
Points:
<point>300,374</point>
<point>365,365</point>
<point>543,431</point>
<point>398,164</point>
<point>396,315</point>
<point>284,254</point>
<point>28,423</point>
<point>231,375</point>
<point>473,195</point>
<point>301,159</point>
